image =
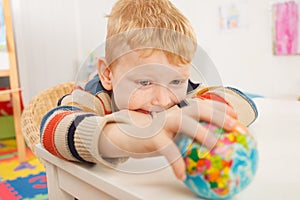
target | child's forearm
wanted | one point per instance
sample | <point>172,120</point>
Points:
<point>72,134</point>
<point>127,139</point>
<point>114,143</point>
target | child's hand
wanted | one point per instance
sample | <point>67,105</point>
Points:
<point>144,135</point>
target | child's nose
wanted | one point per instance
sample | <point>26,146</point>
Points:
<point>161,96</point>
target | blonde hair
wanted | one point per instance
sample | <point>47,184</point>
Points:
<point>149,24</point>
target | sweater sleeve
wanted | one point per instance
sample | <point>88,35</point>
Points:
<point>72,130</point>
<point>241,103</point>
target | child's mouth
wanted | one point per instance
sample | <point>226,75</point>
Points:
<point>154,109</point>
<point>143,111</point>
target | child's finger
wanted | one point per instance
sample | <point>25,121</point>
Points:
<point>222,107</point>
<point>171,152</point>
<point>212,105</point>
<point>178,167</point>
<point>210,113</point>
<point>194,129</point>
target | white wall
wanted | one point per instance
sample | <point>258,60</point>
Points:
<point>46,38</point>
<point>244,57</point>
<point>53,37</point>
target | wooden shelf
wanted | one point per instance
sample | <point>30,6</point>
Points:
<point>4,97</point>
<point>3,92</point>
<point>4,72</point>
<point>13,94</point>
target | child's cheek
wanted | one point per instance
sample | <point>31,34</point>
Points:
<point>137,99</point>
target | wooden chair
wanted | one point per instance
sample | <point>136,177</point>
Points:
<point>37,108</point>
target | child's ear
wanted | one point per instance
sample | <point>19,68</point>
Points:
<point>104,73</point>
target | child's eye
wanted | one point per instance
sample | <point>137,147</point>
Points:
<point>144,83</point>
<point>176,82</point>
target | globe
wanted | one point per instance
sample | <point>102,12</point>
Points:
<point>223,171</point>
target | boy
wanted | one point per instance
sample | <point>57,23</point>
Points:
<point>141,97</point>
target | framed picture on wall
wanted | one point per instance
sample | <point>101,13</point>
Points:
<point>232,16</point>
<point>286,27</point>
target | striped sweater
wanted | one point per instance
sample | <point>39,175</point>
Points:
<point>72,130</point>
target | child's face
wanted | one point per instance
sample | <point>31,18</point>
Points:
<point>149,83</point>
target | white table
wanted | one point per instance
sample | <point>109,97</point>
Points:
<point>277,130</point>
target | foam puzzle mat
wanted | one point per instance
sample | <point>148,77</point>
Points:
<point>26,181</point>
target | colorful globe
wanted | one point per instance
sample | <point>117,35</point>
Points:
<point>223,171</point>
